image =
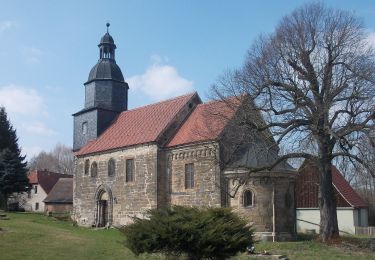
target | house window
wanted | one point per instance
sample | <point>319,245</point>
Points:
<point>84,128</point>
<point>248,198</point>
<point>189,176</point>
<point>94,169</point>
<point>129,170</point>
<point>35,189</point>
<point>111,167</point>
<point>87,166</point>
<point>36,206</point>
<point>28,194</point>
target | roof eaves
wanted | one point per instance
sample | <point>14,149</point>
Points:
<point>342,195</point>
<point>113,149</point>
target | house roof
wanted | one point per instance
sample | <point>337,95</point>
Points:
<point>344,188</point>
<point>206,122</point>
<point>45,179</point>
<point>307,188</point>
<point>138,126</point>
<point>62,192</point>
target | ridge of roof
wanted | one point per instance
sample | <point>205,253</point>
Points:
<point>162,101</point>
<point>202,124</point>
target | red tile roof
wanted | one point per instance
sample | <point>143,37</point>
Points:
<point>45,179</point>
<point>307,188</point>
<point>138,126</point>
<point>206,122</point>
<point>344,188</point>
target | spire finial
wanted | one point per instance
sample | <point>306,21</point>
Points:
<point>107,24</point>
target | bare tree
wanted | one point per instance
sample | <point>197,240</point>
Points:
<point>312,80</point>
<point>60,159</point>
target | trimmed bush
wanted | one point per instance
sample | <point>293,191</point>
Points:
<point>212,233</point>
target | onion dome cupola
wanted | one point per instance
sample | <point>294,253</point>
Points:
<point>106,68</point>
<point>106,95</point>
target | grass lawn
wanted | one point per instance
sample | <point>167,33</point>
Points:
<point>35,236</point>
<point>313,250</point>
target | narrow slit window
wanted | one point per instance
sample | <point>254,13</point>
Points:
<point>94,169</point>
<point>84,128</point>
<point>111,167</point>
<point>130,170</point>
<point>247,199</point>
<point>87,166</point>
<point>189,176</point>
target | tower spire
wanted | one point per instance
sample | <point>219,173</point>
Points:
<point>107,46</point>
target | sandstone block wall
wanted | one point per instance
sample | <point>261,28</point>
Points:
<point>58,208</point>
<point>260,215</point>
<point>206,190</point>
<point>126,199</point>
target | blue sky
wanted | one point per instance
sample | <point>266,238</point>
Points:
<point>164,48</point>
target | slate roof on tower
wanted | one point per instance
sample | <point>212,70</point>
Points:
<point>138,126</point>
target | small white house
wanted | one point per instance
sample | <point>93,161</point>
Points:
<point>41,183</point>
<point>352,211</point>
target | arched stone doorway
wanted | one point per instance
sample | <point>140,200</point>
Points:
<point>104,205</point>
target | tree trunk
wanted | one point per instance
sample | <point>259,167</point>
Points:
<point>327,201</point>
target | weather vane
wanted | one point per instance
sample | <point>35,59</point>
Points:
<point>108,24</point>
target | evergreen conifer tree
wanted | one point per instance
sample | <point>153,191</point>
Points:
<point>13,169</point>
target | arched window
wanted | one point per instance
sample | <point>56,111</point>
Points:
<point>87,166</point>
<point>248,198</point>
<point>94,169</point>
<point>111,167</point>
<point>84,128</point>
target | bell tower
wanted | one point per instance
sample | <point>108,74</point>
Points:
<point>106,95</point>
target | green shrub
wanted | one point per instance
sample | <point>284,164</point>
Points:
<point>213,233</point>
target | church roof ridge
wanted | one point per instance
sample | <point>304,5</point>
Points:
<point>162,101</point>
<point>196,129</point>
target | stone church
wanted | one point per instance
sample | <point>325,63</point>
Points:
<point>174,152</point>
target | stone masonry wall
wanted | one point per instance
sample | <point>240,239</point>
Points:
<point>206,191</point>
<point>128,198</point>
<point>260,214</point>
<point>58,208</point>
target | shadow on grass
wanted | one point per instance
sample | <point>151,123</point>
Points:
<point>307,237</point>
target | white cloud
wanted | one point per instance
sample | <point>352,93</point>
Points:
<point>20,100</point>
<point>32,54</point>
<point>160,81</point>
<point>38,128</point>
<point>6,25</point>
